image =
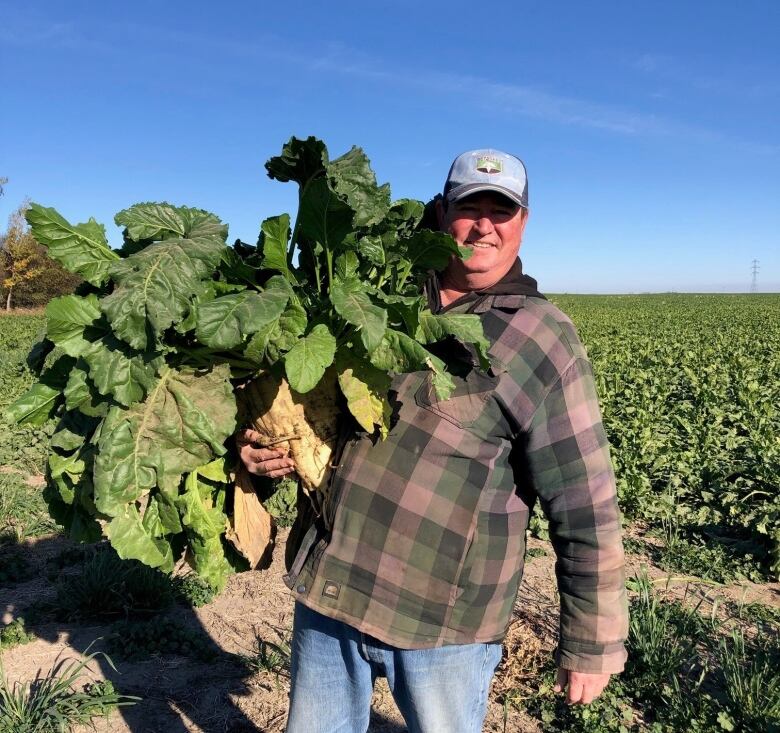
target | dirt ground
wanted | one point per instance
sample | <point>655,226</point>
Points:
<point>180,694</point>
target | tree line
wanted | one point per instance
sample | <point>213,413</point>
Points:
<point>29,278</point>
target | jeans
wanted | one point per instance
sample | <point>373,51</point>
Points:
<point>334,666</point>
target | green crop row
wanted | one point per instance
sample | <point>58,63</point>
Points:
<point>689,669</point>
<point>690,392</point>
<point>22,447</point>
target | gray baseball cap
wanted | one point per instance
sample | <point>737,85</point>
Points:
<point>487,170</point>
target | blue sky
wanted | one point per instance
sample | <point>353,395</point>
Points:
<point>651,130</point>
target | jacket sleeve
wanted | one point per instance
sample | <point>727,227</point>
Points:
<point>568,457</point>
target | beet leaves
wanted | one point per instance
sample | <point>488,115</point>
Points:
<point>141,365</point>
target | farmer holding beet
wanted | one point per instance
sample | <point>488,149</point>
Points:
<point>408,564</point>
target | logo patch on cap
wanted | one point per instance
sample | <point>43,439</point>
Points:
<point>331,589</point>
<point>489,165</point>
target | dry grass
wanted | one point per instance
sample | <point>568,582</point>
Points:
<point>524,655</point>
<point>39,311</point>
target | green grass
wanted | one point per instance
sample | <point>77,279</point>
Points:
<point>17,335</point>
<point>107,586</point>
<point>23,512</point>
<point>20,446</point>
<point>709,559</point>
<point>271,658</point>
<point>690,551</point>
<point>58,701</point>
<point>751,674</point>
<point>687,670</point>
<point>23,449</point>
<point>759,613</point>
<point>667,664</point>
<point>611,712</point>
<point>76,554</point>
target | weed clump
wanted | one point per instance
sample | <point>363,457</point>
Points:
<point>14,634</point>
<point>56,702</point>
<point>134,640</point>
<point>271,657</point>
<point>108,586</point>
<point>192,590</point>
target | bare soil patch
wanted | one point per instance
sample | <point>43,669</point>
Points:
<point>180,694</point>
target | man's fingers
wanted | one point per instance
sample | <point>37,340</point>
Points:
<point>257,462</point>
<point>574,691</point>
<point>587,697</point>
<point>280,472</point>
<point>269,462</point>
<point>259,455</point>
<point>269,454</point>
<point>250,437</point>
<point>591,691</point>
<point>581,688</point>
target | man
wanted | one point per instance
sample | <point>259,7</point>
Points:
<point>411,567</point>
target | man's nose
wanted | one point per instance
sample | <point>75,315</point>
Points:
<point>483,225</point>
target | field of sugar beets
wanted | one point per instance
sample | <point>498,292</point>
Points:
<point>690,391</point>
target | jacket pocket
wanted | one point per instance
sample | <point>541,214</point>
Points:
<point>467,402</point>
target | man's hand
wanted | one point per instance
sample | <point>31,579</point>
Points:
<point>269,462</point>
<point>581,687</point>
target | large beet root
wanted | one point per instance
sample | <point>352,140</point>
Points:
<point>305,425</point>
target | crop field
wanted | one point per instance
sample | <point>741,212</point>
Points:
<point>690,392</point>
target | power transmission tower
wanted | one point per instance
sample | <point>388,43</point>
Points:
<point>754,281</point>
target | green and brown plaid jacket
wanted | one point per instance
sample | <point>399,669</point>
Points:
<point>421,539</point>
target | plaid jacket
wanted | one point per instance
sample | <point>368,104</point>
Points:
<point>421,539</point>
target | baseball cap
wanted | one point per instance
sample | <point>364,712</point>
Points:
<point>487,170</point>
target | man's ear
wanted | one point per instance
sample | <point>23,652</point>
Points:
<point>441,214</point>
<point>524,221</point>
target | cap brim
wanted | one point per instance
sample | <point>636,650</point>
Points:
<point>456,194</point>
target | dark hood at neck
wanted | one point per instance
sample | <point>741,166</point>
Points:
<point>515,282</point>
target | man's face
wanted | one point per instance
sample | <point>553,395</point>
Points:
<point>490,225</point>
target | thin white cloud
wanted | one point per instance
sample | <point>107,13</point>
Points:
<point>339,59</point>
<point>33,34</point>
<point>742,83</point>
<point>649,62</point>
<point>530,102</point>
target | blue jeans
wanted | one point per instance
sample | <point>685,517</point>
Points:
<point>334,666</point>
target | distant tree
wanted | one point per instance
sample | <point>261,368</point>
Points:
<point>28,276</point>
<point>22,258</point>
<point>3,181</point>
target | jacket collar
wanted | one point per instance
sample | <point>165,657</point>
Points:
<point>509,292</point>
